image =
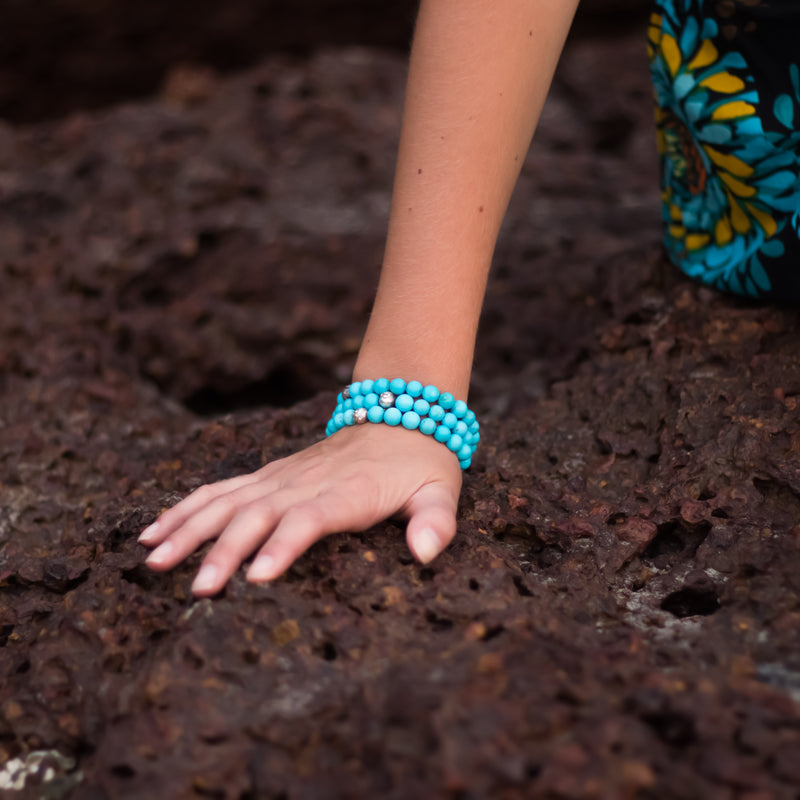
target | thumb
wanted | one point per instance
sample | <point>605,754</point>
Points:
<point>432,521</point>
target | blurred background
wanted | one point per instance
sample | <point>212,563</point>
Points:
<point>60,55</point>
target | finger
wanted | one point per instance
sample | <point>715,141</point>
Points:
<point>432,521</point>
<point>206,523</point>
<point>174,517</point>
<point>246,531</point>
<point>300,527</point>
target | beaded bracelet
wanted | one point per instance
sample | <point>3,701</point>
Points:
<point>415,407</point>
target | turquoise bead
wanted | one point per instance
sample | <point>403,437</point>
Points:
<point>404,402</point>
<point>436,413</point>
<point>392,416</point>
<point>422,407</point>
<point>411,420</point>
<point>455,443</point>
<point>428,426</point>
<point>375,414</point>
<point>430,393</point>
<point>415,407</point>
<point>442,433</point>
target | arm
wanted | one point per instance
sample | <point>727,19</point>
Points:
<point>479,73</point>
<point>478,77</point>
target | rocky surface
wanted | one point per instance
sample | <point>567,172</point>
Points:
<point>185,281</point>
<point>56,55</point>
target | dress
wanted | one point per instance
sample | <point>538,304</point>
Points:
<point>726,78</point>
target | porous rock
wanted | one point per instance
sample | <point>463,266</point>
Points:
<point>185,281</point>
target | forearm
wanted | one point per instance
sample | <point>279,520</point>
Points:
<point>478,77</point>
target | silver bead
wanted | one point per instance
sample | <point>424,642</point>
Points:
<point>360,416</point>
<point>386,399</point>
<point>346,393</point>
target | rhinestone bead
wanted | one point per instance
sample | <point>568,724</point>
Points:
<point>360,416</point>
<point>386,399</point>
<point>346,393</point>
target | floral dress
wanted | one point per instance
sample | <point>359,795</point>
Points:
<point>727,90</point>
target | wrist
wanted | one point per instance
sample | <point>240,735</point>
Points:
<point>413,406</point>
<point>430,357</point>
<point>448,379</point>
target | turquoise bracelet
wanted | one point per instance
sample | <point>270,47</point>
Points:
<point>412,406</point>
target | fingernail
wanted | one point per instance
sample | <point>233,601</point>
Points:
<point>262,569</point>
<point>426,545</point>
<point>149,532</point>
<point>160,554</point>
<point>206,579</point>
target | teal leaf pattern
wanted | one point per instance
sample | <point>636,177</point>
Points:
<point>730,164</point>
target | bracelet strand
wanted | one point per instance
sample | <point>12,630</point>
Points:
<point>412,406</point>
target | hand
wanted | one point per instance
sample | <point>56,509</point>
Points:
<point>347,482</point>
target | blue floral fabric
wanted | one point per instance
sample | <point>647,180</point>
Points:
<point>727,90</point>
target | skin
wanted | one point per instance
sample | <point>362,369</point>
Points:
<point>478,76</point>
